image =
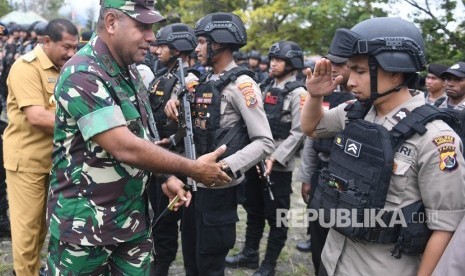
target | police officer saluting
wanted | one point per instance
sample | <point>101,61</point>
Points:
<point>228,110</point>
<point>173,41</point>
<point>422,175</point>
<point>283,97</point>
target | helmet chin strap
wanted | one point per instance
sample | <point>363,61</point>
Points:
<point>211,53</point>
<point>373,67</point>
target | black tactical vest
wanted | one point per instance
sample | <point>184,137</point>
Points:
<point>273,105</point>
<point>206,114</point>
<point>159,94</point>
<point>358,178</point>
<point>324,144</point>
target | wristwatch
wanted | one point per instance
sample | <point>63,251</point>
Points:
<point>225,168</point>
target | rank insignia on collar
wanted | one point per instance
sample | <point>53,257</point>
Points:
<point>402,113</point>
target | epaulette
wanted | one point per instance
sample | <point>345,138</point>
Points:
<point>29,57</point>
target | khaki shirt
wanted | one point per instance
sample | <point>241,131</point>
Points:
<point>287,148</point>
<point>31,82</point>
<point>242,99</point>
<point>419,175</point>
<point>445,104</point>
<point>452,260</point>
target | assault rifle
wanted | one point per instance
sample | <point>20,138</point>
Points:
<point>185,129</point>
<point>265,179</point>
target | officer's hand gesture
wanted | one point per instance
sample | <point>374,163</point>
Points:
<point>209,171</point>
<point>171,109</point>
<point>174,187</point>
<point>321,83</point>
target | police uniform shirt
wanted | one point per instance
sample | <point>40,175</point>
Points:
<point>451,262</point>
<point>445,104</point>
<point>286,149</point>
<point>31,82</point>
<point>308,162</point>
<point>241,99</point>
<point>420,173</point>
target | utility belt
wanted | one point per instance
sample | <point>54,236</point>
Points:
<point>403,227</point>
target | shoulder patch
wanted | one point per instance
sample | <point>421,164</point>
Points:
<point>250,98</point>
<point>402,113</point>
<point>444,139</point>
<point>447,158</point>
<point>29,57</point>
<point>303,96</point>
<point>245,85</point>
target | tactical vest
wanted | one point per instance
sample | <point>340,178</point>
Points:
<point>206,114</point>
<point>358,179</point>
<point>160,93</point>
<point>323,145</point>
<point>273,105</point>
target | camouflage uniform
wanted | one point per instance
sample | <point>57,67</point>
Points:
<point>97,207</point>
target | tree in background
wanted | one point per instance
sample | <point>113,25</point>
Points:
<point>435,19</point>
<point>5,7</point>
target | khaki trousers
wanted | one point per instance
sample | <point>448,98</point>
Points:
<point>27,198</point>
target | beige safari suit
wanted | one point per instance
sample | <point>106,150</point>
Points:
<point>418,175</point>
<point>27,155</point>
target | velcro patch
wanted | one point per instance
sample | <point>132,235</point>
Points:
<point>353,148</point>
<point>402,113</point>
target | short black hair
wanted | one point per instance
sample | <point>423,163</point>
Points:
<point>56,27</point>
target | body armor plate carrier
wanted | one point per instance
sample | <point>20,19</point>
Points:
<point>273,105</point>
<point>206,115</point>
<point>358,177</point>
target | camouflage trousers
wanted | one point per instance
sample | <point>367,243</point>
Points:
<point>128,258</point>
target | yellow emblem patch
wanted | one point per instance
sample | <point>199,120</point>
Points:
<point>444,139</point>
<point>448,160</point>
<point>249,96</point>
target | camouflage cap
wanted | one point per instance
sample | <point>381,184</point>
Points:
<point>141,10</point>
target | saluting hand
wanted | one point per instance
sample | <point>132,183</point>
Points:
<point>321,83</point>
<point>209,171</point>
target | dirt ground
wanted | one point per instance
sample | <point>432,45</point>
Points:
<point>290,262</point>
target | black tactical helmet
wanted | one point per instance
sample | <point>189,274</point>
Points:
<point>239,55</point>
<point>222,27</point>
<point>254,54</point>
<point>39,28</point>
<point>264,60</point>
<point>178,36</point>
<point>289,51</point>
<point>396,44</point>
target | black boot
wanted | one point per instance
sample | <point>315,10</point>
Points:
<point>161,269</point>
<point>304,246</point>
<point>266,269</point>
<point>246,258</point>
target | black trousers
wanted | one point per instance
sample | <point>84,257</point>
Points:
<point>260,207</point>
<point>165,232</point>
<point>318,233</point>
<point>215,221</point>
<point>4,221</point>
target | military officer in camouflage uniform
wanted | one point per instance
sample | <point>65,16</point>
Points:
<point>227,106</point>
<point>426,169</point>
<point>104,149</point>
<point>173,41</point>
